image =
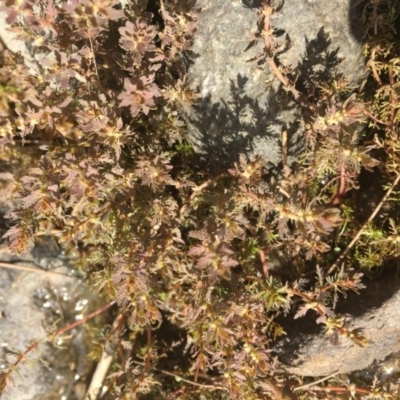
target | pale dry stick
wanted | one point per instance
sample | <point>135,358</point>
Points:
<point>94,59</point>
<point>371,217</point>
<point>103,366</point>
<point>33,269</point>
<point>264,263</point>
<point>284,147</point>
<point>325,378</point>
<point>343,390</point>
<point>98,377</point>
<point>161,371</point>
<point>284,192</point>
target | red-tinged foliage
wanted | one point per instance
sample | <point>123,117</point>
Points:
<point>94,153</point>
<point>137,38</point>
<point>139,96</point>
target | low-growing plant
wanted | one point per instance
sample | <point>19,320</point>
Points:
<point>94,152</point>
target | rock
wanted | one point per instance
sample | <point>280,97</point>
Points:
<point>243,108</point>
<point>375,311</point>
<point>31,301</point>
<point>15,45</point>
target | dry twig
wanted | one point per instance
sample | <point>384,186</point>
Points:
<point>161,371</point>
<point>371,217</point>
<point>32,269</point>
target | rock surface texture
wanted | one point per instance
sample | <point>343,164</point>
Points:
<point>15,45</point>
<point>375,311</point>
<point>29,303</point>
<point>243,108</point>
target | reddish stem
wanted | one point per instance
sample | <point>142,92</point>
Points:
<point>58,332</point>
<point>341,186</point>
<point>267,9</point>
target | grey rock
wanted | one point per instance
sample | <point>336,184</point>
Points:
<point>15,45</point>
<point>31,301</point>
<point>243,107</point>
<point>308,351</point>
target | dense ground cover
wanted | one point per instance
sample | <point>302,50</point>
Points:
<point>200,264</point>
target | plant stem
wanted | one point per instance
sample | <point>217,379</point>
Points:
<point>371,217</point>
<point>161,371</point>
